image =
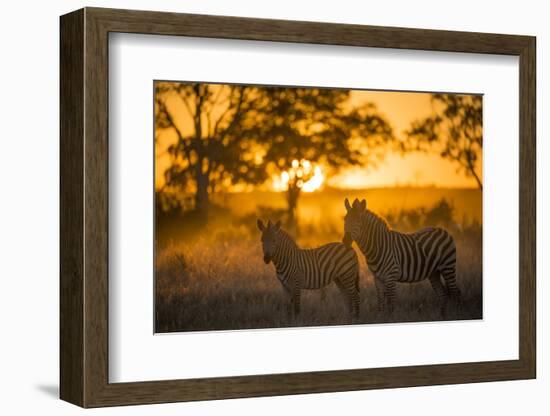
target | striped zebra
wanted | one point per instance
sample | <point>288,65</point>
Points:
<point>394,257</point>
<point>311,268</point>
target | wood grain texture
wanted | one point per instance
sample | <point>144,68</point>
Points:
<point>224,27</point>
<point>96,228</point>
<point>84,207</point>
<point>71,213</point>
<point>527,207</point>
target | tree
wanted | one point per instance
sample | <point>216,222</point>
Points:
<point>231,134</point>
<point>300,127</point>
<point>454,129</point>
<point>207,152</point>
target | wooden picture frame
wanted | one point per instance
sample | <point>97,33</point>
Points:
<point>84,207</point>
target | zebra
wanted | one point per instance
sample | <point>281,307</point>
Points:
<point>314,268</point>
<point>392,257</point>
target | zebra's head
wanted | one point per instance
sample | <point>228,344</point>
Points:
<point>269,238</point>
<point>352,220</point>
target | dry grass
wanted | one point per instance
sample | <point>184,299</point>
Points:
<point>218,281</point>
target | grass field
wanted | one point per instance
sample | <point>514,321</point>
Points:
<point>215,278</point>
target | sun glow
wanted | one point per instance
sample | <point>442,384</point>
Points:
<point>302,174</point>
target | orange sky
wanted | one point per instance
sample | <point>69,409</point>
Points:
<point>416,169</point>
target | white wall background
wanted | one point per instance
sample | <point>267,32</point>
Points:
<point>29,163</point>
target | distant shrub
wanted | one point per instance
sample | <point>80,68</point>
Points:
<point>441,214</point>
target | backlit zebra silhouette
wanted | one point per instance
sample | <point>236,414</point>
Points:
<point>394,257</point>
<point>311,268</point>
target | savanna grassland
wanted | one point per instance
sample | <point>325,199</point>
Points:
<point>212,277</point>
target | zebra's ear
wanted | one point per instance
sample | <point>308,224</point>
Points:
<point>277,225</point>
<point>355,202</point>
<point>363,204</point>
<point>347,205</point>
<point>261,225</point>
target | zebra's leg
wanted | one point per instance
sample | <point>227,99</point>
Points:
<point>449,276</point>
<point>356,297</point>
<point>296,298</point>
<point>290,304</point>
<point>351,282</point>
<point>380,294</point>
<point>350,295</point>
<point>447,268</point>
<point>437,285</point>
<point>391,284</point>
<point>345,294</point>
<point>355,303</point>
<point>323,294</point>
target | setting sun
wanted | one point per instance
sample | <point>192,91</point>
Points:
<point>302,174</point>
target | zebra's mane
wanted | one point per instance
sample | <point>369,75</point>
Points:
<point>283,235</point>
<point>379,219</point>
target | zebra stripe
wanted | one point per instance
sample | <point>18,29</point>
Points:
<point>314,268</point>
<point>394,257</point>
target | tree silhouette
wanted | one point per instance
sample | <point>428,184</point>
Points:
<point>230,134</point>
<point>207,152</point>
<point>455,129</point>
<point>317,126</point>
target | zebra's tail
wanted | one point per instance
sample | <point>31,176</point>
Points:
<point>357,281</point>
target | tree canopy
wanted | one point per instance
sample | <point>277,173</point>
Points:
<point>209,151</point>
<point>455,129</point>
<point>319,126</point>
<point>231,134</point>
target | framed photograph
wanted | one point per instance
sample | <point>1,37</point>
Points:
<point>256,207</point>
